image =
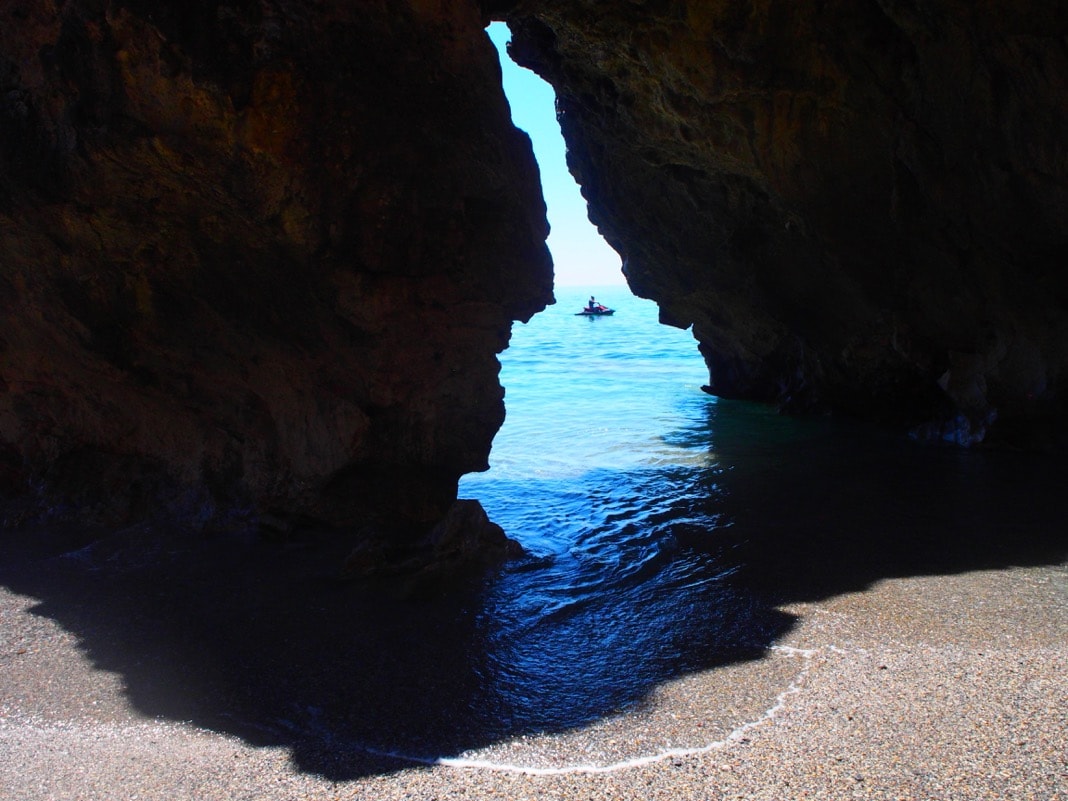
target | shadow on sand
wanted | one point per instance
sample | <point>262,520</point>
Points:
<point>264,641</point>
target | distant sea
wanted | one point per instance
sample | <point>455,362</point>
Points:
<point>666,528</point>
<point>589,400</point>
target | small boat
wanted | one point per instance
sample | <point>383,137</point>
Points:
<point>596,311</point>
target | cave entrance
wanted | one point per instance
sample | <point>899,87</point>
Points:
<point>601,411</point>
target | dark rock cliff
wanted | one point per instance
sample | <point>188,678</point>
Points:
<point>257,257</point>
<point>859,206</point>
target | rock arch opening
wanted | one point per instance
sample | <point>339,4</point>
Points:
<point>244,277</point>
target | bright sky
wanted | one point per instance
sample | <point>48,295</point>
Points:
<point>581,256</point>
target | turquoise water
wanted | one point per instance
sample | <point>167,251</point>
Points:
<point>590,400</point>
<point>601,470</point>
<point>666,527</point>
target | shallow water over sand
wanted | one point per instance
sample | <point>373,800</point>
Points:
<point>667,527</point>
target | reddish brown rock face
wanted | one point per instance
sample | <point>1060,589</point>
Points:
<point>859,206</point>
<point>256,257</point>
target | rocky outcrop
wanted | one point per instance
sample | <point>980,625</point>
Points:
<point>464,540</point>
<point>858,206</point>
<point>256,258</point>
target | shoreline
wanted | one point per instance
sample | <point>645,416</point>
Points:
<point>922,687</point>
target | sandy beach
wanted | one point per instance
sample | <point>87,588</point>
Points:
<point>925,687</point>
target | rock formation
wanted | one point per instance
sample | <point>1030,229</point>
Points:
<point>859,206</point>
<point>257,257</point>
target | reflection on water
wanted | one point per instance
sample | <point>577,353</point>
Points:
<point>605,611</point>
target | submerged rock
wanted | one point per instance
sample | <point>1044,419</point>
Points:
<point>464,539</point>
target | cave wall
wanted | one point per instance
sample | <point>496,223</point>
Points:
<point>257,258</point>
<point>859,207</point>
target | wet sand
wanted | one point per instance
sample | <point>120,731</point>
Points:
<point>916,688</point>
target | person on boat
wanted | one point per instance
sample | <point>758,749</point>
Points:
<point>593,304</point>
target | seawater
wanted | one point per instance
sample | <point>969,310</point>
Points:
<point>592,403</point>
<point>602,460</point>
<point>666,528</point>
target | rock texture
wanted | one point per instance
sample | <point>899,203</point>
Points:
<point>257,258</point>
<point>859,206</point>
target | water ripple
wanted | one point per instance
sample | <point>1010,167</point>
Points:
<point>604,472</point>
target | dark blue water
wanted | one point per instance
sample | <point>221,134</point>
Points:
<point>604,472</point>
<point>667,527</point>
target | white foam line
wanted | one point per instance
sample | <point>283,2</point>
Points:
<point>636,762</point>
